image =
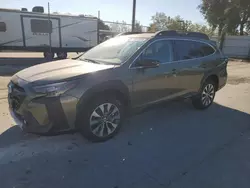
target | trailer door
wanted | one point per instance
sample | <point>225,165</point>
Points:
<point>36,30</point>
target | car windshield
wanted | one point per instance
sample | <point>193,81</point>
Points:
<point>115,50</point>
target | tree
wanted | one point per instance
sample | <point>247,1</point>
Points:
<point>102,25</point>
<point>244,13</point>
<point>231,14</point>
<point>160,22</point>
<point>138,26</point>
<point>213,12</point>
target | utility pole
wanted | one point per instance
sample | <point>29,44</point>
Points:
<point>50,29</point>
<point>98,28</point>
<point>99,14</point>
<point>133,15</point>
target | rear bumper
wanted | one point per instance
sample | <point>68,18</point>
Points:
<point>222,78</point>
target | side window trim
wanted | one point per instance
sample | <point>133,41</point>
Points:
<point>176,60</point>
<point>175,52</point>
<point>133,66</point>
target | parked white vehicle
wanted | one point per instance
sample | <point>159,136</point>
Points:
<point>40,32</point>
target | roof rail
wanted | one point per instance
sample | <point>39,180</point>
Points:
<point>182,34</point>
<point>166,33</point>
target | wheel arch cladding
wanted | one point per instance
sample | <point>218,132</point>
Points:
<point>116,87</point>
<point>212,77</point>
<point>215,79</point>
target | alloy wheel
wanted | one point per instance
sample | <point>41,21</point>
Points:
<point>208,95</point>
<point>104,119</point>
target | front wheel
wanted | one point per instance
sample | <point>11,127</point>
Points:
<point>101,119</point>
<point>206,96</point>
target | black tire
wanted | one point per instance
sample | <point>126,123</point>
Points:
<point>199,102</point>
<point>49,55</point>
<point>84,118</point>
<point>62,55</point>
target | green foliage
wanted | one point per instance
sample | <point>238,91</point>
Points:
<point>138,26</point>
<point>160,22</point>
<point>102,25</point>
<point>233,15</point>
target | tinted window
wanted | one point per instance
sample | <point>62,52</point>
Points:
<point>160,51</point>
<point>206,49</point>
<point>41,26</point>
<point>2,27</point>
<point>191,49</point>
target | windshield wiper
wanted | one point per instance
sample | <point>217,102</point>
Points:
<point>91,60</point>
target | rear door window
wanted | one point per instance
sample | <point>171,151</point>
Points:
<point>185,49</point>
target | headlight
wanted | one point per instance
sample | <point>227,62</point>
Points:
<point>53,90</point>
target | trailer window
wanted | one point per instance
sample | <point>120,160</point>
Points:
<point>2,27</point>
<point>41,26</point>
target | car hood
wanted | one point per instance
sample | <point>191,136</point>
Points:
<point>59,70</point>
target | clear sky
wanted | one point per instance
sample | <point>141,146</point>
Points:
<point>116,10</point>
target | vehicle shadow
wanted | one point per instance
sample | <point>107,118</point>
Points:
<point>11,65</point>
<point>166,142</point>
<point>181,115</point>
<point>14,135</point>
<point>157,123</point>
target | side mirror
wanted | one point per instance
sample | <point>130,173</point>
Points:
<point>148,63</point>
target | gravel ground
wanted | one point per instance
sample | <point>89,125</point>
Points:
<point>172,145</point>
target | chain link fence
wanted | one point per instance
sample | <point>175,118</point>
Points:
<point>110,29</point>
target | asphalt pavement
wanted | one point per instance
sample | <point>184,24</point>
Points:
<point>169,145</point>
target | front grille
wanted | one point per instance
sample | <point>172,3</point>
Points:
<point>16,96</point>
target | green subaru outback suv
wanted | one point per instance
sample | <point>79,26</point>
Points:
<point>92,92</point>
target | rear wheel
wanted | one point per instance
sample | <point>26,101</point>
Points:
<point>206,96</point>
<point>49,55</point>
<point>62,55</point>
<point>101,119</point>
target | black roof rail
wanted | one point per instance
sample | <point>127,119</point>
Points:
<point>166,33</point>
<point>182,34</point>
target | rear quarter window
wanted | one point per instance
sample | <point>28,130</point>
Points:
<point>207,49</point>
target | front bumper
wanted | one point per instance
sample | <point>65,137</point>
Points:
<point>19,121</point>
<point>42,114</point>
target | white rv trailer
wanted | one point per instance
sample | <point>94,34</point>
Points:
<point>40,32</point>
